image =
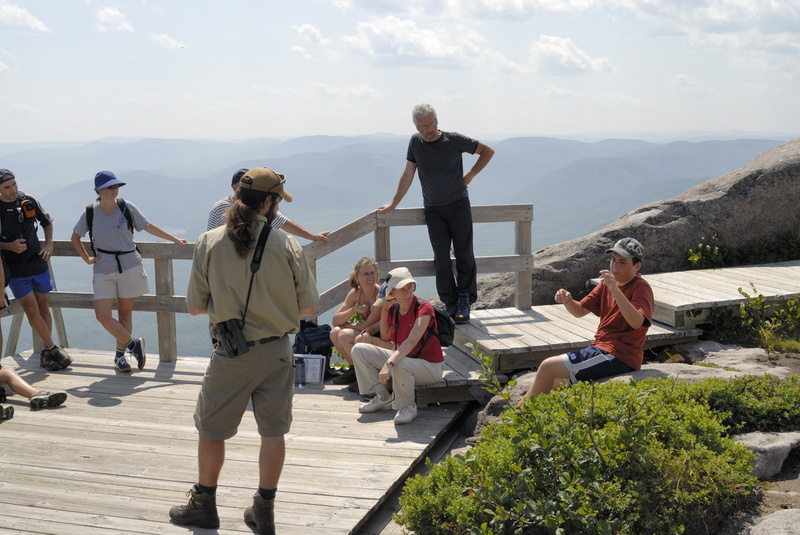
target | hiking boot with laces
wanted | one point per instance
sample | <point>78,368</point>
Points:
<point>45,398</point>
<point>450,310</point>
<point>121,364</point>
<point>348,377</point>
<point>60,357</point>
<point>406,414</point>
<point>138,352</point>
<point>462,308</point>
<point>261,515</point>
<point>201,511</point>
<point>46,361</point>
<point>6,412</point>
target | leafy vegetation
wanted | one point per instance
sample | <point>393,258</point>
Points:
<point>612,458</point>
<point>758,322</point>
<point>711,254</point>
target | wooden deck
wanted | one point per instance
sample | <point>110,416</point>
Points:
<point>122,451</point>
<point>521,339</point>
<point>684,298</point>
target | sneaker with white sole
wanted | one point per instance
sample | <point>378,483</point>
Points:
<point>376,404</point>
<point>138,352</point>
<point>406,414</point>
<point>6,412</point>
<point>44,399</point>
<point>121,364</point>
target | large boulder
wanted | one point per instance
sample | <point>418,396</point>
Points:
<point>745,206</point>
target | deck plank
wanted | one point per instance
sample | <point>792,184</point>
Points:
<point>122,451</point>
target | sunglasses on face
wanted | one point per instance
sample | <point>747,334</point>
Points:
<point>115,186</point>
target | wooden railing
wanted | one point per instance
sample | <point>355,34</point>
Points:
<point>166,304</point>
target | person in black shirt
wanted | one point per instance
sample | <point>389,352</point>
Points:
<point>26,257</point>
<point>437,157</point>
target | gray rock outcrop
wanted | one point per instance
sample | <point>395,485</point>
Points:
<point>742,207</point>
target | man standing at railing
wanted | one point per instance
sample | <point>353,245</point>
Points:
<point>437,156</point>
<point>216,216</point>
<point>253,361</point>
<point>26,257</point>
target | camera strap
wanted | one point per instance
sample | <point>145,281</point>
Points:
<point>255,264</point>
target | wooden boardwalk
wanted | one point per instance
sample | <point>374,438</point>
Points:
<point>520,339</point>
<point>122,451</point>
<point>684,298</point>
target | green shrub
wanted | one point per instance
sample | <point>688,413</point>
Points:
<point>752,403</point>
<point>595,459</point>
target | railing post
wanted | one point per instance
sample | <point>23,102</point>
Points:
<point>524,286</point>
<point>382,246</point>
<point>167,328</point>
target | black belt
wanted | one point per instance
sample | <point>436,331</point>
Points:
<point>264,341</point>
<point>116,256</point>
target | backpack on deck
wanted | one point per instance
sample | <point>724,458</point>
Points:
<point>313,339</point>
<point>444,329</point>
<point>90,219</point>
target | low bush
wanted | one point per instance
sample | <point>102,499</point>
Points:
<point>649,457</point>
<point>752,403</point>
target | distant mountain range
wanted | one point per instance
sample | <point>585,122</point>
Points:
<point>576,187</point>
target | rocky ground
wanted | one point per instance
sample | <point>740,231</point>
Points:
<point>783,491</point>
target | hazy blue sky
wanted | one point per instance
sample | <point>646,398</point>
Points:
<point>80,70</point>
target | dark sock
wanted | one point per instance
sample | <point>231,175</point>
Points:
<point>129,345</point>
<point>201,489</point>
<point>267,494</point>
<point>119,353</point>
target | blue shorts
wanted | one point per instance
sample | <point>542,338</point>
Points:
<point>22,286</point>
<point>592,363</point>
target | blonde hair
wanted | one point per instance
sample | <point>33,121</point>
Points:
<point>363,262</point>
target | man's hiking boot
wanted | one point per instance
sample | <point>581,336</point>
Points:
<point>261,515</point>
<point>462,308</point>
<point>60,357</point>
<point>201,511</point>
<point>6,412</point>
<point>44,399</point>
<point>46,361</point>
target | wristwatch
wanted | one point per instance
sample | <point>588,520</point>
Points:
<point>389,363</point>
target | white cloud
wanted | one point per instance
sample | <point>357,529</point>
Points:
<point>11,15</point>
<point>5,61</point>
<point>166,41</point>
<point>602,100</point>
<point>345,92</point>
<point>302,52</point>
<point>111,19</point>
<point>532,8</point>
<point>560,56</point>
<point>396,40</point>
<point>684,83</point>
<point>309,32</point>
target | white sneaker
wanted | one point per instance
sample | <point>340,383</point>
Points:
<point>406,415</point>
<point>377,404</point>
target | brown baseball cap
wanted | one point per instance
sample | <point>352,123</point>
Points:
<point>266,180</point>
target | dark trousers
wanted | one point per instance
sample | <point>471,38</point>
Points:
<point>451,224</point>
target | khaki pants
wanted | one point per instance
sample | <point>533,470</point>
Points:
<point>368,360</point>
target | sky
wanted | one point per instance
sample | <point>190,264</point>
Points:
<point>238,69</point>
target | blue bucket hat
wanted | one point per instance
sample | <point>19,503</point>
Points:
<point>103,179</point>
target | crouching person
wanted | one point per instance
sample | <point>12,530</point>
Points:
<point>254,360</point>
<point>416,359</point>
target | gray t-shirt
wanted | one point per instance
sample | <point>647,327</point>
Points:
<point>111,233</point>
<point>440,166</point>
